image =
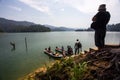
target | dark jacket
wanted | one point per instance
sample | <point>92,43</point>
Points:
<point>101,19</point>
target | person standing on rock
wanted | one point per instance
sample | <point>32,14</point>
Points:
<point>100,20</point>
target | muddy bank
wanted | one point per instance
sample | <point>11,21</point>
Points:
<point>90,65</point>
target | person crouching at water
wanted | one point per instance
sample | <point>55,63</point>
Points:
<point>77,46</point>
<point>46,49</point>
<point>69,50</point>
<point>63,51</point>
<point>49,49</point>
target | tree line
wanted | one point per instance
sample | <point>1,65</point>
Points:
<point>21,28</point>
<point>113,27</point>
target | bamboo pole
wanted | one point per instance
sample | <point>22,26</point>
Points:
<point>26,44</point>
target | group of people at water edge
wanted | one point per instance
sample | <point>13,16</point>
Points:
<point>69,51</point>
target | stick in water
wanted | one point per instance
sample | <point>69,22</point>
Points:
<point>26,44</point>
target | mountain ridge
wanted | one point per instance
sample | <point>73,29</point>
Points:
<point>61,28</point>
<point>7,23</point>
<point>24,23</point>
<point>21,26</point>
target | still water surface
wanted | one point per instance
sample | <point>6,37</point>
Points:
<point>19,62</point>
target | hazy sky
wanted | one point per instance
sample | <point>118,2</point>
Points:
<point>68,13</point>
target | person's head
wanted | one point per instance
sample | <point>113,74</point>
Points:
<point>102,7</point>
<point>77,40</point>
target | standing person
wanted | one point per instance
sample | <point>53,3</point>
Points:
<point>100,21</point>
<point>77,46</point>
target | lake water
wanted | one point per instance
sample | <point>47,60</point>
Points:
<point>20,62</point>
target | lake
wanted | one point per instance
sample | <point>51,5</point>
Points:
<point>18,62</point>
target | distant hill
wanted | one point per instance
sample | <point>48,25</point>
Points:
<point>7,25</point>
<point>12,22</point>
<point>50,26</point>
<point>54,28</point>
<point>21,26</point>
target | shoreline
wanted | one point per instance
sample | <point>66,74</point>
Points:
<point>43,70</point>
<point>33,73</point>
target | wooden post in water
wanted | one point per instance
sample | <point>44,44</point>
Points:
<point>26,44</point>
<point>119,43</point>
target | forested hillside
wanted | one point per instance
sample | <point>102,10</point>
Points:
<point>21,26</point>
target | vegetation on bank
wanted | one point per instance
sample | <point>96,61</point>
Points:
<point>92,65</point>
<point>64,69</point>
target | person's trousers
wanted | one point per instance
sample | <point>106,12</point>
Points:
<point>76,51</point>
<point>100,38</point>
